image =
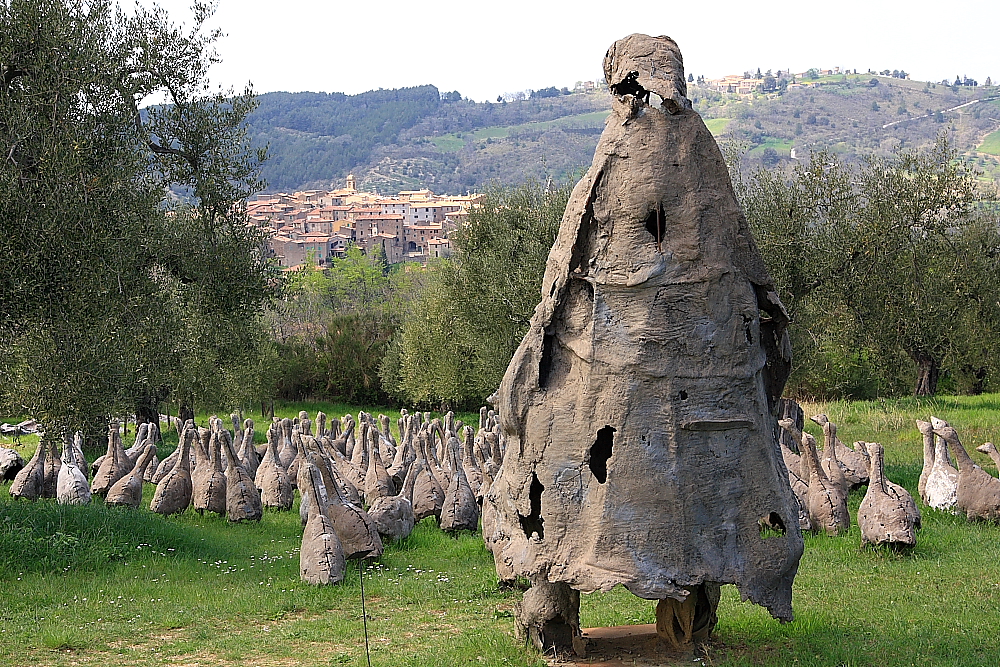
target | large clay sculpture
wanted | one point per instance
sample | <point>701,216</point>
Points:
<point>638,411</point>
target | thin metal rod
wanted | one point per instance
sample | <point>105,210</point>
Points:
<point>364,613</point>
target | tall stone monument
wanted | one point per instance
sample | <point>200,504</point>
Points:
<point>639,408</point>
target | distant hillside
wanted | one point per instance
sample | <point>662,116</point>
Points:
<point>861,115</point>
<point>402,139</point>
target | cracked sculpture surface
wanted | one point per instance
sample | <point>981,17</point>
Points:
<point>639,408</point>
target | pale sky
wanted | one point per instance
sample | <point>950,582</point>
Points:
<point>484,49</point>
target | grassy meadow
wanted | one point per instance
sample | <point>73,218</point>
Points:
<point>455,141</point>
<point>991,144</point>
<point>105,586</point>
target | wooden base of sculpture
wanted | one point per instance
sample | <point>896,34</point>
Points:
<point>680,624</point>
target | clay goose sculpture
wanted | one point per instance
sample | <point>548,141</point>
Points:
<point>941,487</point>
<point>428,496</point>
<point>242,498</point>
<point>132,452</point>
<point>78,456</point>
<point>167,464</point>
<point>50,471</point>
<point>991,451</point>
<point>887,514</point>
<point>893,488</point>
<point>28,482</point>
<point>247,452</point>
<point>357,532</point>
<point>173,493</point>
<point>393,515</point>
<point>472,471</point>
<point>339,466</point>
<point>927,431</point>
<point>831,464</point>
<point>378,484</point>
<point>978,492</point>
<point>459,510</point>
<point>321,558</point>
<point>350,437</point>
<point>286,452</point>
<point>72,487</point>
<point>127,491</point>
<point>115,464</point>
<point>271,478</point>
<point>853,464</point>
<point>826,502</point>
<point>147,432</point>
<point>208,481</point>
<point>793,461</point>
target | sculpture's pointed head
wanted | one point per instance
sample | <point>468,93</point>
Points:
<point>638,65</point>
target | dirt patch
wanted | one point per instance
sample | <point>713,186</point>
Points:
<point>631,645</point>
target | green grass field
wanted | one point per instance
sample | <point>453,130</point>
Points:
<point>104,586</point>
<point>717,126</point>
<point>452,142</point>
<point>991,144</point>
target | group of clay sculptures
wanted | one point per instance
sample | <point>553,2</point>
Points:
<point>967,488</point>
<point>888,514</point>
<point>359,484</point>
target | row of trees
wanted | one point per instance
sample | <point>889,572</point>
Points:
<point>890,270</point>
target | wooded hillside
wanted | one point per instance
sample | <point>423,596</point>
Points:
<point>417,137</point>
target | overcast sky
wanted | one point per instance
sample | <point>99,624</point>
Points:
<point>484,49</point>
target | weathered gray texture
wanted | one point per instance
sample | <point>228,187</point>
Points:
<point>242,497</point>
<point>459,511</point>
<point>321,558</point>
<point>128,490</point>
<point>548,615</point>
<point>393,515</point>
<point>638,407</point>
<point>428,496</point>
<point>114,466</point>
<point>941,487</point>
<point>854,465</point>
<point>53,464</point>
<point>11,463</point>
<point>271,478</point>
<point>978,493</point>
<point>208,481</point>
<point>173,493</point>
<point>72,487</point>
<point>826,502</point>
<point>990,450</point>
<point>887,514</point>
<point>247,452</point>
<point>29,480</point>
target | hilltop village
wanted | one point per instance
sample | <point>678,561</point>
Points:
<point>412,226</point>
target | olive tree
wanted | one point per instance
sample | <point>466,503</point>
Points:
<point>471,311</point>
<point>127,270</point>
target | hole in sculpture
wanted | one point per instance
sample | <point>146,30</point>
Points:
<point>545,363</point>
<point>600,452</point>
<point>654,225</point>
<point>746,326</point>
<point>682,395</point>
<point>532,524</point>
<point>771,526</point>
<point>630,86</point>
